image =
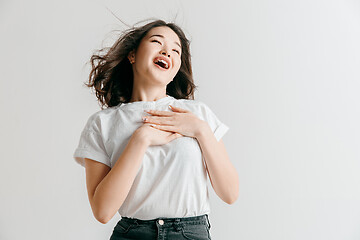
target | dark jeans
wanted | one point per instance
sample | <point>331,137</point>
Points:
<point>194,228</point>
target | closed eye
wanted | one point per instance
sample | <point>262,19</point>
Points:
<point>160,43</point>
<point>156,41</point>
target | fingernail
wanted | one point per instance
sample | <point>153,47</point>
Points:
<point>170,107</point>
<point>144,118</point>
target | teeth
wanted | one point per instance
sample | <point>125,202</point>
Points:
<point>166,64</point>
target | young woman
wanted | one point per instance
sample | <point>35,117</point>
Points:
<point>148,154</point>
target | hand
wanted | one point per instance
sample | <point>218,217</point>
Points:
<point>153,136</point>
<point>181,121</point>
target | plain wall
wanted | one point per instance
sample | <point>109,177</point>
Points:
<point>283,75</point>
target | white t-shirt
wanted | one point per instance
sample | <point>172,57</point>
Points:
<point>172,180</point>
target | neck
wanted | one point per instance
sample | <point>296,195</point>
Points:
<point>146,96</point>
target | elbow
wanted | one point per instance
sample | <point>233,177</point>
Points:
<point>229,199</point>
<point>101,213</point>
<point>235,194</point>
<point>232,199</point>
<point>102,218</point>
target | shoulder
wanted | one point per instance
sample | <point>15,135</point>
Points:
<point>98,119</point>
<point>194,104</point>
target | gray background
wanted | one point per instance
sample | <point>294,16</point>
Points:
<point>283,75</point>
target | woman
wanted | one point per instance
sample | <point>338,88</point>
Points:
<point>147,155</point>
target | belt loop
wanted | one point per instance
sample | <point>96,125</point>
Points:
<point>207,217</point>
<point>177,224</point>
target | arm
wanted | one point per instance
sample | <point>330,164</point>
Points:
<point>223,176</point>
<point>111,192</point>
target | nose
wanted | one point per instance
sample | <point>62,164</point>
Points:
<point>165,53</point>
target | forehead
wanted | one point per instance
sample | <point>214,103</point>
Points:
<point>167,32</point>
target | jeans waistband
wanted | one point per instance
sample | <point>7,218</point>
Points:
<point>187,220</point>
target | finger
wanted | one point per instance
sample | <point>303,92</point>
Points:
<point>178,135</point>
<point>165,128</point>
<point>177,109</point>
<point>175,135</point>
<point>158,112</point>
<point>158,120</point>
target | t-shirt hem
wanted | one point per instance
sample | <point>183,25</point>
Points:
<point>145,218</point>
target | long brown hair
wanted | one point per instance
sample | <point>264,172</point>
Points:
<point>112,77</point>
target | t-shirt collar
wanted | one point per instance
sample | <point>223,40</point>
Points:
<point>146,104</point>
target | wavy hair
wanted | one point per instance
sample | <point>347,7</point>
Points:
<point>112,76</point>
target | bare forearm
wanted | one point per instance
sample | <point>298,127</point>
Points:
<point>222,173</point>
<point>113,189</point>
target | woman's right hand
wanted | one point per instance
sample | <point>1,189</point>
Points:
<point>155,136</point>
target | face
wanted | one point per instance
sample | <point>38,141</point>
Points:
<point>158,57</point>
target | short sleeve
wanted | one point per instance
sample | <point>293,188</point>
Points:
<point>219,128</point>
<point>91,144</point>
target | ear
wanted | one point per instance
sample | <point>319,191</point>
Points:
<point>131,56</point>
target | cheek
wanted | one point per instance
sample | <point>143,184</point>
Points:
<point>143,52</point>
<point>177,64</point>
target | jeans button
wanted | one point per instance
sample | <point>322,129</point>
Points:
<point>161,222</point>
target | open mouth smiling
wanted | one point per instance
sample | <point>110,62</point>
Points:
<point>162,62</point>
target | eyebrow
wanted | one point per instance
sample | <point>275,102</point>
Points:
<point>158,35</point>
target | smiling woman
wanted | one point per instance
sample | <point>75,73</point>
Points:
<point>149,153</point>
<point>160,48</point>
<point>115,70</point>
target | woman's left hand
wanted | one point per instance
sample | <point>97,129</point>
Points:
<point>179,120</point>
